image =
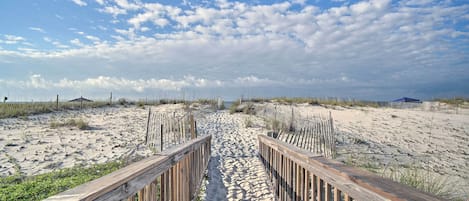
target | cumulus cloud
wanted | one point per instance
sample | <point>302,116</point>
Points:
<point>113,10</point>
<point>80,2</point>
<point>363,44</point>
<point>36,81</point>
<point>12,39</point>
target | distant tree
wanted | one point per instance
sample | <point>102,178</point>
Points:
<point>5,99</point>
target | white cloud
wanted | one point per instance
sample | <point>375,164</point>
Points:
<point>80,2</point>
<point>300,2</point>
<point>47,39</point>
<point>77,42</point>
<point>126,5</point>
<point>37,29</point>
<point>92,38</point>
<point>373,41</point>
<point>12,39</point>
<point>113,10</point>
<point>37,81</point>
<point>100,2</point>
<point>59,17</point>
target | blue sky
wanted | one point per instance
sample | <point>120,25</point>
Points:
<point>376,49</point>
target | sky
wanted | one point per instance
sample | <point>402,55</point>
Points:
<point>371,49</point>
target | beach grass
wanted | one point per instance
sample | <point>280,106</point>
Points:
<point>12,110</point>
<point>79,123</point>
<point>318,101</point>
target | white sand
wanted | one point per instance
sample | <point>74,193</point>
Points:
<point>436,141</point>
<point>116,132</point>
<point>235,171</point>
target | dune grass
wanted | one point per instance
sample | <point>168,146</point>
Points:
<point>421,179</point>
<point>456,101</point>
<point>318,101</point>
<point>11,110</point>
<point>79,123</point>
<point>39,187</point>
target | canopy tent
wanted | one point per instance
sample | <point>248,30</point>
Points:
<point>81,99</point>
<point>407,100</point>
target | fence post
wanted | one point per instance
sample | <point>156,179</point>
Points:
<point>161,137</point>
<point>148,125</point>
<point>193,135</point>
<point>57,102</point>
<point>332,136</point>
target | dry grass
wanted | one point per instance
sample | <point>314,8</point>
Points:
<point>78,123</point>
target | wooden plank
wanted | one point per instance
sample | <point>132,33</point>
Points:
<point>314,188</point>
<point>128,180</point>
<point>359,184</point>
<point>306,185</point>
<point>347,197</point>
<point>328,192</point>
<point>336,194</point>
<point>320,189</point>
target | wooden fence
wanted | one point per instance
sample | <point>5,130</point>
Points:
<point>316,135</point>
<point>165,130</point>
<point>297,174</point>
<point>174,174</point>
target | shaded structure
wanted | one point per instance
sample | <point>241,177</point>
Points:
<point>81,99</point>
<point>407,100</point>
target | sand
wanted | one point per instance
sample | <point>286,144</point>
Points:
<point>434,140</point>
<point>114,133</point>
<point>235,171</point>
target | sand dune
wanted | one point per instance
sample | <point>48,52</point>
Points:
<point>436,141</point>
<point>114,133</point>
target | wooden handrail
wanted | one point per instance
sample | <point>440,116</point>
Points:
<point>174,174</point>
<point>297,174</point>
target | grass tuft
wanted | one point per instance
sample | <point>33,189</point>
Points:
<point>79,123</point>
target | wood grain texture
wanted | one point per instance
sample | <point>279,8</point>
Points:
<point>129,180</point>
<point>352,182</point>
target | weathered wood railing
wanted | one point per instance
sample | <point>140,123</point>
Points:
<point>174,174</point>
<point>297,174</point>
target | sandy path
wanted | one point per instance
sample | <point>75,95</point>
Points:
<point>235,171</point>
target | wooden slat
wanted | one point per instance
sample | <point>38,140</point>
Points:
<point>328,193</point>
<point>336,194</point>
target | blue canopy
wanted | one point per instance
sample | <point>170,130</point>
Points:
<point>407,100</point>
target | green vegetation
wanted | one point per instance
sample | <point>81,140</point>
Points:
<point>9,110</point>
<point>422,180</point>
<point>39,187</point>
<point>456,101</point>
<point>410,175</point>
<point>319,101</point>
<point>234,106</point>
<point>79,123</point>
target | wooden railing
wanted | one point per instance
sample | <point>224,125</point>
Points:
<point>174,174</point>
<point>297,174</point>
